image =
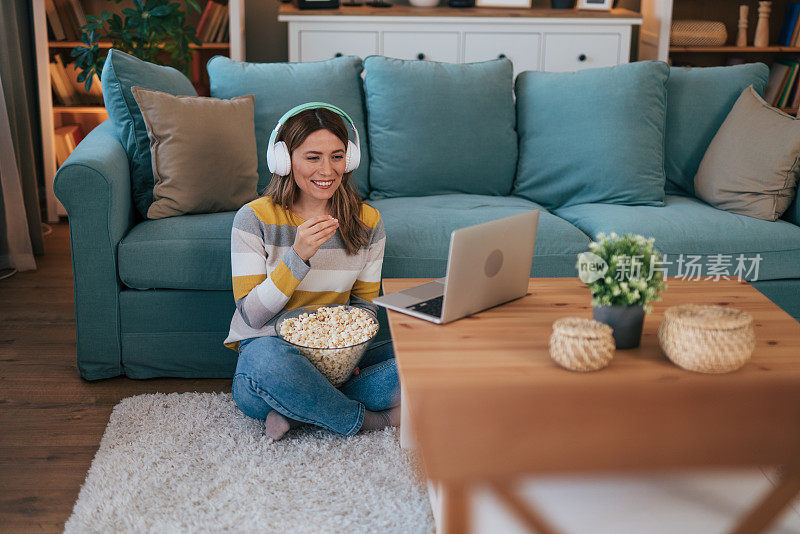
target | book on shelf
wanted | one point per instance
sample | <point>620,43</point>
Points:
<point>212,22</point>
<point>222,26</point>
<point>64,11</point>
<point>793,31</point>
<point>224,32</point>
<point>795,99</point>
<point>66,138</point>
<point>794,38</point>
<point>216,22</point>
<point>788,85</point>
<point>63,89</point>
<point>778,75</point>
<point>68,90</point>
<point>203,22</point>
<point>80,14</point>
<point>783,87</point>
<point>54,21</point>
<point>65,18</point>
<point>789,23</point>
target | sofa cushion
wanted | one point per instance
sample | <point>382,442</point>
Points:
<point>751,166</point>
<point>437,128</point>
<point>418,233</point>
<point>595,135</point>
<point>121,71</point>
<point>698,100</point>
<point>204,152</point>
<point>194,251</point>
<point>691,227</point>
<point>278,87</point>
<point>185,252</point>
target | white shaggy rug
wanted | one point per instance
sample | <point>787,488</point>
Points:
<point>192,462</point>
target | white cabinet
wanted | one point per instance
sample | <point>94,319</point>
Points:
<point>523,49</point>
<point>320,45</point>
<point>433,46</point>
<point>564,52</point>
<point>533,39</point>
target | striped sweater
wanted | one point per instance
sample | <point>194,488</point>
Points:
<point>269,276</point>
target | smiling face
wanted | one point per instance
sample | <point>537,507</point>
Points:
<point>318,165</point>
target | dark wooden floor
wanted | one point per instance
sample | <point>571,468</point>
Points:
<point>51,420</point>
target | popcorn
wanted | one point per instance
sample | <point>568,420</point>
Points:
<point>331,338</point>
<point>330,327</point>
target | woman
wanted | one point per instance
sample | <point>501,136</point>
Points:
<point>309,240</point>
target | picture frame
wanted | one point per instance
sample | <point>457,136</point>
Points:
<point>503,3</point>
<point>597,5</point>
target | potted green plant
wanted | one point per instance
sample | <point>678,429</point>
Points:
<point>150,30</point>
<point>625,275</point>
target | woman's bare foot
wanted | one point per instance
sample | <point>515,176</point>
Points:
<point>276,425</point>
<point>382,419</point>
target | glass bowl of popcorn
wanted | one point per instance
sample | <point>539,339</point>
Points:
<point>332,337</point>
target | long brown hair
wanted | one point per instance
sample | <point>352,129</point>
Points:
<point>345,203</point>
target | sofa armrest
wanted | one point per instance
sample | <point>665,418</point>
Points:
<point>94,187</point>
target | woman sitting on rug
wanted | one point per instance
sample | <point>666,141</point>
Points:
<point>310,227</point>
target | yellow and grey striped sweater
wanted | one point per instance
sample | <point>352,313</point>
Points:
<point>269,276</point>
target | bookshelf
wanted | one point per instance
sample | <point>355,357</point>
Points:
<point>735,49</point>
<point>658,15</point>
<point>69,45</point>
<point>86,113</point>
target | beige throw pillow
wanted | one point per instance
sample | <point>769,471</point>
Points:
<point>203,151</point>
<point>752,165</point>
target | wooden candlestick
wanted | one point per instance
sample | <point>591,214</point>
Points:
<point>762,28</point>
<point>741,37</point>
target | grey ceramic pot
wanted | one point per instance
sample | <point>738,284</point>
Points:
<point>626,321</point>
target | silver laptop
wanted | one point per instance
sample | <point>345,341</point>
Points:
<point>488,264</point>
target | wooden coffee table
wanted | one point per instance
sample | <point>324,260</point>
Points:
<point>487,404</point>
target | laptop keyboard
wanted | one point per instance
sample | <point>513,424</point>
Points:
<point>431,307</point>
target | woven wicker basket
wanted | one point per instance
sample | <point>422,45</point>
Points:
<point>707,339</point>
<point>581,344</point>
<point>698,33</point>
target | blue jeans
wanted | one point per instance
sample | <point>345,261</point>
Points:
<point>273,375</point>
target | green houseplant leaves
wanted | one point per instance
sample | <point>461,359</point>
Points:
<point>150,30</point>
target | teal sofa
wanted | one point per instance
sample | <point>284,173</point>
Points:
<point>153,297</point>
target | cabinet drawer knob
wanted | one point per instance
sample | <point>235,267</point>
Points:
<point>420,56</point>
<point>582,57</point>
<point>501,56</point>
<point>337,54</point>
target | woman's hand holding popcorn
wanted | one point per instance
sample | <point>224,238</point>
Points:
<point>312,234</point>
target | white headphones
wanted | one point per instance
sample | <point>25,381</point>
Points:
<point>279,160</point>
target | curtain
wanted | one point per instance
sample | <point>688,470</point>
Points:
<point>20,221</point>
